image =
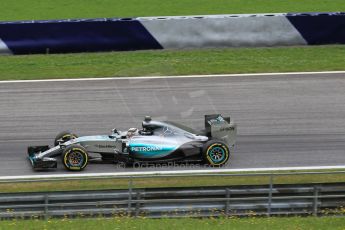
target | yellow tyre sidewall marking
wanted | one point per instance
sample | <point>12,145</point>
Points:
<point>73,167</point>
<point>68,135</point>
<point>225,150</point>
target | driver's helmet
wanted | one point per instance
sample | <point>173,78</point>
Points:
<point>146,122</point>
<point>147,126</point>
<point>132,132</point>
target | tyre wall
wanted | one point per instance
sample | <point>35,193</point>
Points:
<point>214,31</point>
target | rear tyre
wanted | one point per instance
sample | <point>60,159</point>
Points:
<point>216,153</point>
<point>75,158</point>
<point>64,137</point>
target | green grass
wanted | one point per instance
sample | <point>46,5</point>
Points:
<point>52,9</point>
<point>170,62</point>
<point>159,182</point>
<point>293,223</point>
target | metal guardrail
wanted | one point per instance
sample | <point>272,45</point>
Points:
<point>233,200</point>
<point>262,200</point>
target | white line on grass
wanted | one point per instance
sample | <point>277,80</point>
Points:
<point>178,76</point>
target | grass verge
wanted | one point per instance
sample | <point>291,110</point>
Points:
<point>173,62</point>
<point>51,9</point>
<point>210,223</point>
<point>159,182</point>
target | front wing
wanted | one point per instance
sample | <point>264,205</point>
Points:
<point>40,163</point>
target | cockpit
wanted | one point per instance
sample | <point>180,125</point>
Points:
<point>159,128</point>
<point>166,129</point>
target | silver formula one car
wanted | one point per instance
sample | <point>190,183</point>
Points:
<point>156,142</point>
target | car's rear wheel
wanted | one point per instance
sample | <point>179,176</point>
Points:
<point>64,137</point>
<point>75,158</point>
<point>216,153</point>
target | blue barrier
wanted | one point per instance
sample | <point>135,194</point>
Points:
<point>76,36</point>
<point>121,34</point>
<point>320,28</point>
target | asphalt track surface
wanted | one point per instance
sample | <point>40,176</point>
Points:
<point>283,121</point>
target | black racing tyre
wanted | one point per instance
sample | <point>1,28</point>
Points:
<point>215,153</point>
<point>75,158</point>
<point>63,137</point>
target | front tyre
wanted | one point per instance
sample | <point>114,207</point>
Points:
<point>75,158</point>
<point>64,137</point>
<point>216,153</point>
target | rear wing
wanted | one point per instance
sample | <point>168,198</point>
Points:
<point>222,128</point>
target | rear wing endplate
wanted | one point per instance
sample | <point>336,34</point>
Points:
<point>221,128</point>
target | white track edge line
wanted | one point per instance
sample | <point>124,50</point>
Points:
<point>177,76</point>
<point>175,172</point>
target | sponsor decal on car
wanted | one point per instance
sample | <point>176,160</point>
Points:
<point>146,148</point>
<point>150,149</point>
<point>229,128</point>
<point>106,146</point>
<point>217,120</point>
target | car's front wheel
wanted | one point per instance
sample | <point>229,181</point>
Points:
<point>216,153</point>
<point>75,158</point>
